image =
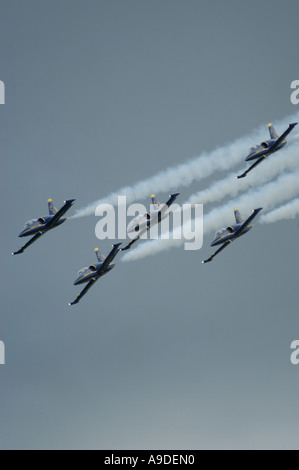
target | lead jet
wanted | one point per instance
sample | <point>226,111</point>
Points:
<point>37,227</point>
<point>266,148</point>
<point>144,222</point>
<point>95,271</point>
<point>225,236</point>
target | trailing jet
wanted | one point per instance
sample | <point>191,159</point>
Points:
<point>266,148</point>
<point>144,222</point>
<point>37,227</point>
<point>95,271</point>
<point>227,235</point>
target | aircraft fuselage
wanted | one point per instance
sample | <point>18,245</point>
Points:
<point>93,272</point>
<point>264,150</point>
<point>40,226</point>
<point>230,234</point>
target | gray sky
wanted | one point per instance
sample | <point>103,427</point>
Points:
<point>164,352</point>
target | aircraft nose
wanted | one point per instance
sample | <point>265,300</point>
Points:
<point>77,281</point>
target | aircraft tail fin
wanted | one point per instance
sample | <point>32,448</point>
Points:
<point>272,131</point>
<point>52,208</point>
<point>154,201</point>
<point>239,218</point>
<point>100,257</point>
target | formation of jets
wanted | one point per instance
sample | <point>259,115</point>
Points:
<point>35,228</point>
<point>89,275</point>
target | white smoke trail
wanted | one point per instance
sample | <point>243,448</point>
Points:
<point>175,177</point>
<point>287,160</point>
<point>222,158</point>
<point>276,192</point>
<point>287,211</point>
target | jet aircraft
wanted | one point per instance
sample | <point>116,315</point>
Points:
<point>144,222</point>
<point>266,148</point>
<point>92,273</point>
<point>37,227</point>
<point>227,235</point>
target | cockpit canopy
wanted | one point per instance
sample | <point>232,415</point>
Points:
<point>82,271</point>
<point>264,145</point>
<point>31,222</point>
<point>220,232</point>
<point>224,230</point>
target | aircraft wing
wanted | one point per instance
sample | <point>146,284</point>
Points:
<point>153,221</point>
<point>83,292</point>
<point>216,252</point>
<point>128,246</point>
<point>110,257</point>
<point>257,162</point>
<point>60,213</point>
<point>283,136</point>
<point>173,197</point>
<point>32,240</point>
<point>164,207</point>
<point>247,222</point>
<point>144,220</point>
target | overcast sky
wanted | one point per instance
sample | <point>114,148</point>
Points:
<point>163,353</point>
